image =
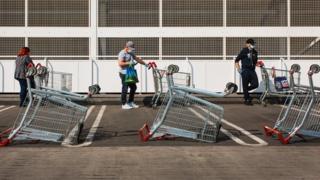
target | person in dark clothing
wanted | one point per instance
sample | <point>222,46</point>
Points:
<point>22,61</point>
<point>248,57</point>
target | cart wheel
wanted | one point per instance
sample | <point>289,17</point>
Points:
<point>172,68</point>
<point>315,68</point>
<point>42,70</point>
<point>295,67</point>
<point>31,71</point>
<point>231,87</point>
<point>94,89</point>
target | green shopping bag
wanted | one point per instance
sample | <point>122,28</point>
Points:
<point>131,76</point>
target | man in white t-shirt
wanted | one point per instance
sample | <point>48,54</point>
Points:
<point>127,58</point>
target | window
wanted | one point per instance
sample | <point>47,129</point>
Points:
<point>59,46</point>
<point>305,46</point>
<point>59,13</point>
<point>257,13</point>
<point>124,13</point>
<point>192,13</point>
<point>12,13</point>
<point>10,46</point>
<point>192,47</point>
<point>266,46</point>
<point>305,13</point>
<point>144,46</point>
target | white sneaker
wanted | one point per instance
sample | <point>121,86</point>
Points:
<point>133,105</point>
<point>126,106</point>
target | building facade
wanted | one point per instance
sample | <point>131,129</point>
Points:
<point>207,32</point>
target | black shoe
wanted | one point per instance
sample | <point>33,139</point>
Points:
<point>248,102</point>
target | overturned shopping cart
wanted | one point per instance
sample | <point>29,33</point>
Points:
<point>300,114</point>
<point>48,114</point>
<point>161,84</point>
<point>277,82</point>
<point>182,114</point>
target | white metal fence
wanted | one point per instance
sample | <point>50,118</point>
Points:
<point>207,74</point>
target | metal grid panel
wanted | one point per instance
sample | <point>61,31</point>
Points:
<point>291,116</point>
<point>124,13</point>
<point>59,46</point>
<point>184,115</point>
<point>12,13</point>
<point>301,46</point>
<point>192,46</point>
<point>48,118</point>
<point>144,46</point>
<point>192,13</point>
<point>10,46</point>
<point>266,46</point>
<point>257,13</point>
<point>305,13</point>
<point>58,13</point>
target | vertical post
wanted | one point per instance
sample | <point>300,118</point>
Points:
<point>160,25</point>
<point>192,72</point>
<point>289,12</point>
<point>92,71</point>
<point>93,23</point>
<point>288,48</point>
<point>26,11</point>
<point>93,28</point>
<point>141,77</point>
<point>289,25</point>
<point>26,16</point>
<point>224,13</point>
<point>224,45</point>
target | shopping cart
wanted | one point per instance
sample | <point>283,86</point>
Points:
<point>48,114</point>
<point>185,115</point>
<point>300,114</point>
<point>161,84</point>
<point>277,82</point>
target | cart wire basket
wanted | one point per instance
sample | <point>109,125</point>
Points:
<point>47,114</point>
<point>161,84</point>
<point>300,115</point>
<point>182,114</point>
<point>277,82</point>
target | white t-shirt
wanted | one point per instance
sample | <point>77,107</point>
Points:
<point>126,57</point>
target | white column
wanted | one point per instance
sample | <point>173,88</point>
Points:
<point>26,10</point>
<point>160,26</point>
<point>288,48</point>
<point>26,16</point>
<point>224,13</point>
<point>289,12</point>
<point>160,48</point>
<point>224,45</point>
<point>289,25</point>
<point>93,51</point>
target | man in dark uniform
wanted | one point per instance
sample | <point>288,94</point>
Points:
<point>248,57</point>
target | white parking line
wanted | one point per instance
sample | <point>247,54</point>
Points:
<point>89,112</point>
<point>234,138</point>
<point>93,130</point>
<point>10,107</point>
<point>68,139</point>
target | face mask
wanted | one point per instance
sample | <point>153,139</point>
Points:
<point>131,51</point>
<point>251,46</point>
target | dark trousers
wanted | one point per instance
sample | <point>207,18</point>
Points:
<point>249,82</point>
<point>125,86</point>
<point>24,89</point>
